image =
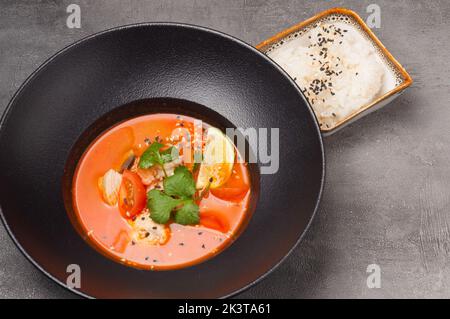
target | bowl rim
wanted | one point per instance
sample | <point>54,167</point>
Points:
<point>68,47</point>
<point>407,79</point>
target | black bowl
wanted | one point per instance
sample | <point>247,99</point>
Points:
<point>95,76</point>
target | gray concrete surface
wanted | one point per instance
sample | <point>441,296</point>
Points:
<point>387,193</point>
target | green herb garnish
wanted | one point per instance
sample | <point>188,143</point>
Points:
<point>153,156</point>
<point>188,214</point>
<point>177,198</point>
<point>161,206</point>
<point>198,158</point>
<point>181,184</point>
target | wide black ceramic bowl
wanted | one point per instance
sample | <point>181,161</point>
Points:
<point>95,77</point>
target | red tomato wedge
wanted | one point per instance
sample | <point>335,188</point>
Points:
<point>132,195</point>
<point>214,221</point>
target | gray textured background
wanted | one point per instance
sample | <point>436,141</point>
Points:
<point>386,197</point>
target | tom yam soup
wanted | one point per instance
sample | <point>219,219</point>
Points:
<point>161,191</point>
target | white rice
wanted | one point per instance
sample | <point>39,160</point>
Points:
<point>337,68</point>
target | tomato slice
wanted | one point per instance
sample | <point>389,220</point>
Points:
<point>132,195</point>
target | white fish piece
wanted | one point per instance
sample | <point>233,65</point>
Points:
<point>146,231</point>
<point>170,167</point>
<point>109,185</point>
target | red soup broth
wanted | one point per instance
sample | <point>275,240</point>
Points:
<point>222,211</point>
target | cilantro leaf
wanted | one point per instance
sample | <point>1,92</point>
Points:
<point>155,147</point>
<point>188,214</point>
<point>161,206</point>
<point>169,154</point>
<point>177,198</point>
<point>151,156</point>
<point>181,184</point>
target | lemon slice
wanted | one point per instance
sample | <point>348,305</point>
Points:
<point>218,160</point>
